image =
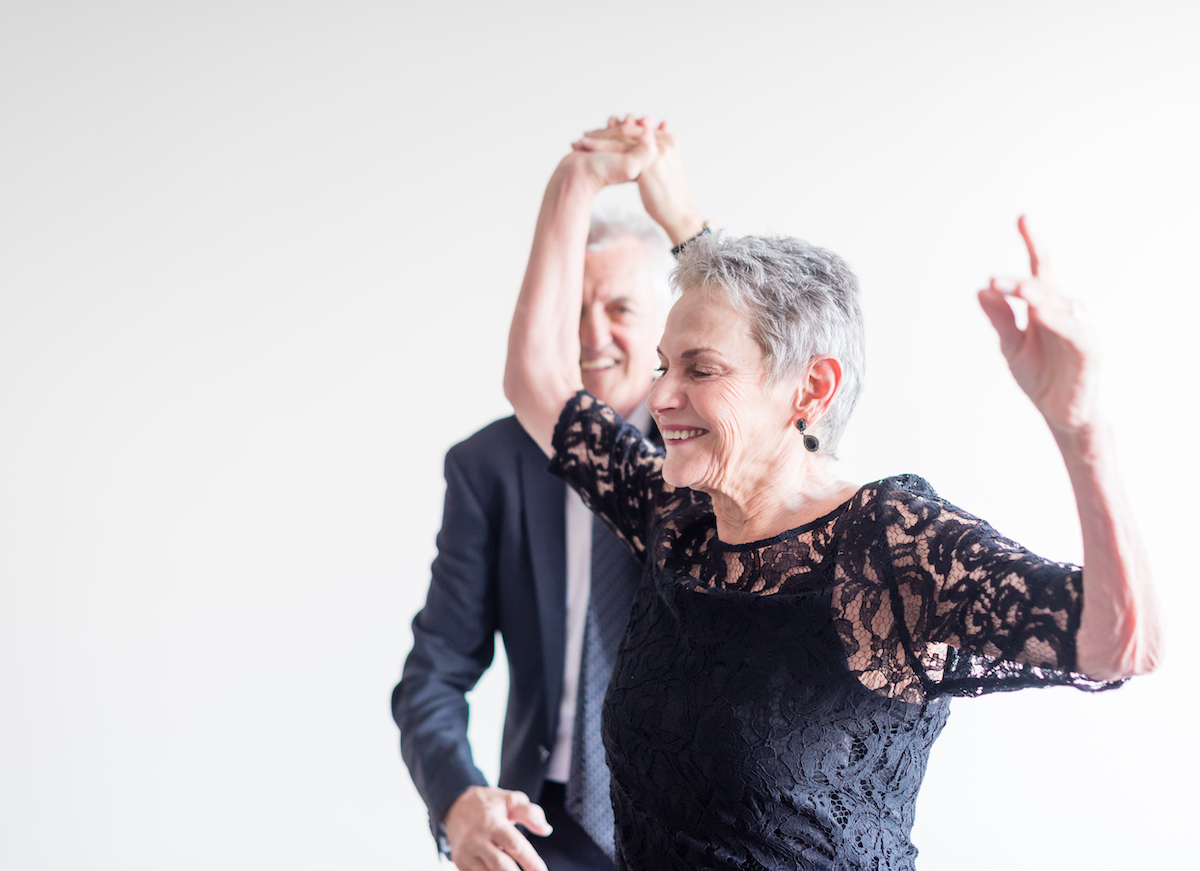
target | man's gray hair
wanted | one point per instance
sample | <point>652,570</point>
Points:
<point>611,225</point>
<point>802,301</point>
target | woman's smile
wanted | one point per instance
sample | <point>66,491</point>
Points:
<point>681,434</point>
<point>712,385</point>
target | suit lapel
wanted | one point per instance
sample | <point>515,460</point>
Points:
<point>544,501</point>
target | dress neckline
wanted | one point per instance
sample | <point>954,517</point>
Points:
<point>787,534</point>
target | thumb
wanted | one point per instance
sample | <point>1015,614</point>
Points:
<point>648,142</point>
<point>531,816</point>
<point>1000,313</point>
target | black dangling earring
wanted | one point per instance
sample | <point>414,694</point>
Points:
<point>811,442</point>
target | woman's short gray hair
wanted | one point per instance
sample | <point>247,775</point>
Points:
<point>802,301</point>
<point>611,225</point>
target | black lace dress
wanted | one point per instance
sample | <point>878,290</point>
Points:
<point>773,704</point>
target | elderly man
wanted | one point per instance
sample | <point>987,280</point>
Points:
<point>520,554</point>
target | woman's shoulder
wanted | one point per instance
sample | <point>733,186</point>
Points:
<point>895,488</point>
<point>908,506</point>
<point>906,498</point>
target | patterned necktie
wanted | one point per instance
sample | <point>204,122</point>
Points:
<point>615,575</point>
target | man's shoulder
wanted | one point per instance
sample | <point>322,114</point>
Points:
<point>502,459</point>
<point>500,444</point>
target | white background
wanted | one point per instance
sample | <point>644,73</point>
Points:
<point>256,265</point>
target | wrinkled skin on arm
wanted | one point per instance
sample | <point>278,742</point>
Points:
<point>1053,359</point>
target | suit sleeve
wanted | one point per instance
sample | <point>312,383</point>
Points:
<point>453,644</point>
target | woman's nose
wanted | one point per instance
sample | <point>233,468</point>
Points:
<point>663,395</point>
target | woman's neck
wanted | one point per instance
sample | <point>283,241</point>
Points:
<point>803,493</point>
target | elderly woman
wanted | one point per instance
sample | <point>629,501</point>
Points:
<point>790,657</point>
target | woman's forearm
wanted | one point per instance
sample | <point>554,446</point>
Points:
<point>542,371</point>
<point>1119,631</point>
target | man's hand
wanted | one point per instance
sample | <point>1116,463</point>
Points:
<point>619,155</point>
<point>663,183</point>
<point>481,827</point>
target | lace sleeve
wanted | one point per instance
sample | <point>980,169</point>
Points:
<point>977,610</point>
<point>614,468</point>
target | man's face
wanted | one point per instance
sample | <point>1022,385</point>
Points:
<point>619,326</point>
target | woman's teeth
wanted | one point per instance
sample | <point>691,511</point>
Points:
<point>673,434</point>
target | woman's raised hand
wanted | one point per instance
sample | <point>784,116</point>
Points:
<point>1053,357</point>
<point>1053,360</point>
<point>616,153</point>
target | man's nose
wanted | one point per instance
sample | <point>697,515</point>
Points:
<point>595,331</point>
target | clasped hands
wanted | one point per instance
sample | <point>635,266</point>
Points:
<point>635,149</point>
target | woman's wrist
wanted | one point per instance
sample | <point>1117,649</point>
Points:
<point>1082,442</point>
<point>679,246</point>
<point>685,227</point>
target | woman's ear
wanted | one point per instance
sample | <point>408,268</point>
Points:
<point>817,388</point>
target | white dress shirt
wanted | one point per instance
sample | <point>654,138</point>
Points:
<point>579,587</point>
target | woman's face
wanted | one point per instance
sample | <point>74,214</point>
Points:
<point>725,432</point>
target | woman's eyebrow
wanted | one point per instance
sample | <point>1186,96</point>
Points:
<point>692,352</point>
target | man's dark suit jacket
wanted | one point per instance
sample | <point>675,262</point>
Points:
<point>501,565</point>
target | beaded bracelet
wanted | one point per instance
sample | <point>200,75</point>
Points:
<point>678,249</point>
